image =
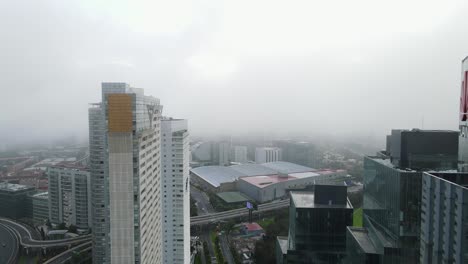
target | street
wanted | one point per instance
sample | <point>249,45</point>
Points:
<point>204,207</point>
<point>223,242</point>
<point>8,245</point>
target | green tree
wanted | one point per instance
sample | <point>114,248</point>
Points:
<point>76,257</point>
<point>72,229</point>
<point>62,226</point>
<point>48,224</point>
<point>42,233</point>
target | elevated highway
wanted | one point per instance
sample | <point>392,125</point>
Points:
<point>9,248</point>
<point>67,255</point>
<point>236,213</point>
<point>26,238</point>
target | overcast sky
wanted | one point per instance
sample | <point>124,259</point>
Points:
<point>235,67</point>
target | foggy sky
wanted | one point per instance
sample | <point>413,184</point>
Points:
<point>235,67</point>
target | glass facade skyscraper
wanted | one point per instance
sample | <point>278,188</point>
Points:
<point>391,207</point>
<point>392,195</point>
<point>317,226</point>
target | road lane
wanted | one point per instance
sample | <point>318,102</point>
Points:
<point>8,245</point>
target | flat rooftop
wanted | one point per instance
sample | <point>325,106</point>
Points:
<point>283,243</point>
<point>266,180</point>
<point>287,167</point>
<point>305,199</point>
<point>215,175</point>
<point>459,179</point>
<point>11,187</point>
<point>388,163</point>
<point>361,236</point>
<point>252,227</point>
<point>70,165</point>
<point>41,195</point>
<point>263,181</point>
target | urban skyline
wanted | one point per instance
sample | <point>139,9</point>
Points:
<point>138,186</point>
<point>234,132</point>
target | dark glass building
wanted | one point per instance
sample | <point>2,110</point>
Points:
<point>392,195</point>
<point>424,149</point>
<point>14,200</point>
<point>317,226</point>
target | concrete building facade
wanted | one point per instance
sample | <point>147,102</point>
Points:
<point>223,155</point>
<point>264,154</point>
<point>69,195</point>
<point>239,154</point>
<point>40,207</point>
<point>125,166</point>
<point>444,218</point>
<point>176,191</point>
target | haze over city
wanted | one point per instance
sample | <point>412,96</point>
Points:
<point>235,67</point>
<point>234,132</point>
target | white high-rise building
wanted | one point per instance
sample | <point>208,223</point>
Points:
<point>239,154</point>
<point>176,191</point>
<point>265,154</point>
<point>224,153</point>
<point>125,167</point>
<point>69,195</point>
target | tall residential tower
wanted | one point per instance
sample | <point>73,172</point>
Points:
<point>176,191</point>
<point>69,195</point>
<point>124,143</point>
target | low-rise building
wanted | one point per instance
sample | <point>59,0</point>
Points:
<point>270,187</point>
<point>317,226</point>
<point>40,207</point>
<point>252,229</point>
<point>223,179</point>
<point>14,201</point>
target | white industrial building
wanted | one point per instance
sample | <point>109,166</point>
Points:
<point>262,182</point>
<point>270,187</point>
<point>176,191</point>
<point>263,155</point>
